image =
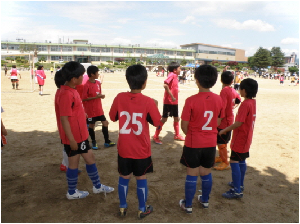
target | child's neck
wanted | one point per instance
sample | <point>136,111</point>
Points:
<point>224,85</point>
<point>136,91</point>
<point>71,85</point>
<point>202,90</point>
<point>92,80</point>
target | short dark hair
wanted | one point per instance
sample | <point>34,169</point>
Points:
<point>250,86</point>
<point>59,79</point>
<point>173,65</point>
<point>206,75</point>
<point>136,76</point>
<point>92,69</point>
<point>72,69</point>
<point>40,67</point>
<point>13,66</point>
<point>227,77</point>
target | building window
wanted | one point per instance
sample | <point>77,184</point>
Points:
<point>42,48</point>
<point>82,49</point>
<point>180,53</point>
<point>118,50</point>
<point>55,48</point>
<point>105,49</point>
<point>12,47</point>
<point>128,50</point>
<point>95,49</point>
<point>140,51</point>
<point>95,58</point>
<point>160,52</point>
<point>170,52</point>
<point>55,58</point>
<point>103,59</point>
<point>67,58</point>
<point>150,51</point>
<point>189,53</point>
<point>3,46</point>
<point>66,48</point>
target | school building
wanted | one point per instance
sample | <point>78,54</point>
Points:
<point>83,51</point>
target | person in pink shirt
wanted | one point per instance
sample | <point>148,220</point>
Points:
<point>40,74</point>
<point>14,77</point>
<point>242,137</point>
<point>281,79</point>
<point>170,108</point>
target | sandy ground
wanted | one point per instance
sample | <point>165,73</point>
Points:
<point>33,188</point>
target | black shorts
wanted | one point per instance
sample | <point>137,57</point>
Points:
<point>195,157</point>
<point>236,156</point>
<point>92,120</point>
<point>236,86</point>
<point>83,147</point>
<point>170,110</point>
<point>281,82</point>
<point>223,139</point>
<point>138,167</point>
<point>14,80</point>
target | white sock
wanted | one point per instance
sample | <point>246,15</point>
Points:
<point>65,160</point>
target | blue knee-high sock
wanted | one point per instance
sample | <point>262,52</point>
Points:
<point>243,168</point>
<point>93,174</point>
<point>236,176</point>
<point>190,189</point>
<point>206,186</point>
<point>123,190</point>
<point>72,178</point>
<point>142,193</point>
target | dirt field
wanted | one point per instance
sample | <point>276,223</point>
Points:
<point>33,188</point>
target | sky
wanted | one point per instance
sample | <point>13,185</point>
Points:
<point>240,24</point>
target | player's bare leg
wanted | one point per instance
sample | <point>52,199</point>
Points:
<point>158,130</point>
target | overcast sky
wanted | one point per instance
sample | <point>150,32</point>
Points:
<point>245,25</point>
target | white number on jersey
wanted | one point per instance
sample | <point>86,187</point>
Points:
<point>124,129</point>
<point>211,114</point>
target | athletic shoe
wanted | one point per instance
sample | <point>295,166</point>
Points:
<point>149,210</point>
<point>222,166</point>
<point>109,144</point>
<point>179,138</point>
<point>231,194</point>
<point>63,167</point>
<point>94,145</point>
<point>188,210</point>
<point>77,195</point>
<point>156,140</point>
<point>123,212</point>
<point>218,159</point>
<point>204,204</point>
<point>231,185</point>
<point>103,189</point>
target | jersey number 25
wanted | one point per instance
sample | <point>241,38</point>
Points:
<point>124,129</point>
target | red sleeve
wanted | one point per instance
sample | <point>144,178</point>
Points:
<point>114,110</point>
<point>186,111</point>
<point>85,90</point>
<point>65,105</point>
<point>222,112</point>
<point>224,96</point>
<point>242,113</point>
<point>169,79</point>
<point>154,113</point>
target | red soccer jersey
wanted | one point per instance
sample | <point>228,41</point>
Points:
<point>242,136</point>
<point>70,104</point>
<point>228,96</point>
<point>93,108</point>
<point>172,82</point>
<point>41,77</point>
<point>14,72</point>
<point>57,111</point>
<point>134,111</point>
<point>202,111</point>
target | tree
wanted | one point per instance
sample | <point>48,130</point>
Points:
<point>277,57</point>
<point>262,58</point>
<point>293,69</point>
<point>232,63</point>
<point>42,59</point>
<point>29,48</point>
<point>119,59</point>
<point>9,59</point>
<point>133,61</point>
<point>183,62</point>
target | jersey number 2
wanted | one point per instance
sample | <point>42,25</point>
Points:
<point>124,129</point>
<point>210,116</point>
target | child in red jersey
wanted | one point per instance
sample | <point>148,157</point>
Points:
<point>40,74</point>
<point>242,137</point>
<point>14,77</point>
<point>73,132</point>
<point>91,98</point>
<point>201,115</point>
<point>229,97</point>
<point>281,79</point>
<point>134,110</point>
<point>170,108</point>
<point>3,132</point>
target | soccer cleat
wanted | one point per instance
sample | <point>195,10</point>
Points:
<point>231,185</point>
<point>156,140</point>
<point>123,212</point>
<point>204,204</point>
<point>103,189</point>
<point>218,159</point>
<point>63,167</point>
<point>77,195</point>
<point>109,144</point>
<point>149,209</point>
<point>94,145</point>
<point>222,166</point>
<point>231,194</point>
<point>188,210</point>
<point>179,138</point>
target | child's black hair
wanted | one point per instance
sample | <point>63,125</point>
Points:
<point>250,86</point>
<point>13,66</point>
<point>136,76</point>
<point>72,69</point>
<point>40,67</point>
<point>227,77</point>
<point>59,79</point>
<point>92,69</point>
<point>173,65</point>
<point>206,75</point>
